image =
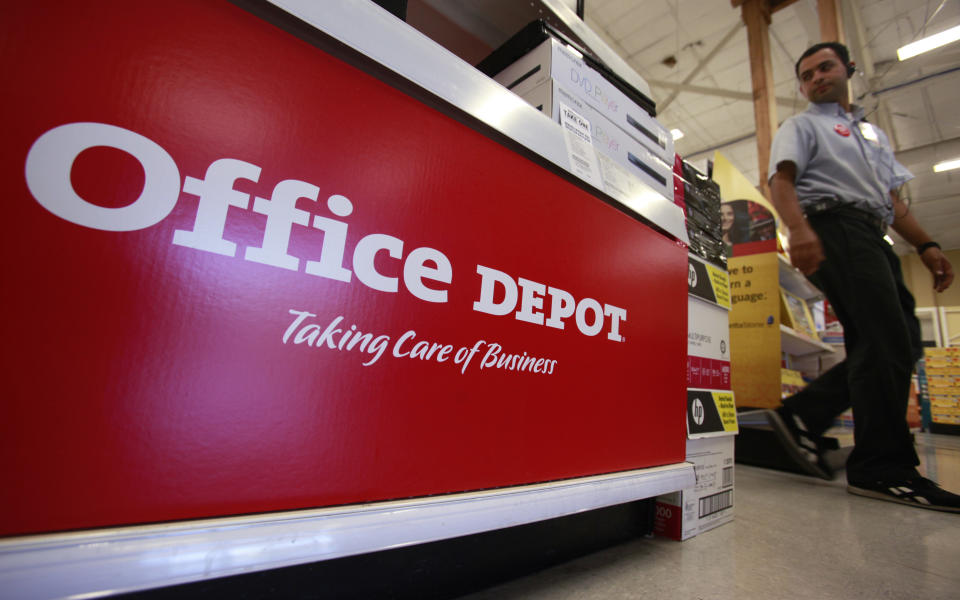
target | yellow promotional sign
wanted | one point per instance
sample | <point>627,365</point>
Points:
<point>734,186</point>
<point>749,228</point>
<point>755,329</point>
<point>748,221</point>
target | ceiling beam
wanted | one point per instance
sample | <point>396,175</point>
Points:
<point>756,14</point>
<point>714,91</point>
<point>772,5</point>
<point>860,40</point>
<point>831,21</point>
<point>703,63</point>
<point>861,49</point>
<point>928,154</point>
<point>723,144</point>
<point>806,14</point>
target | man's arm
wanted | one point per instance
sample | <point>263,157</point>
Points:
<point>806,251</point>
<point>910,230</point>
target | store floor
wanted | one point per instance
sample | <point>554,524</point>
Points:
<point>793,537</point>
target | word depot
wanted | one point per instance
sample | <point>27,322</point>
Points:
<point>48,170</point>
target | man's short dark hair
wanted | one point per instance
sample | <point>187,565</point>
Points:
<point>837,47</point>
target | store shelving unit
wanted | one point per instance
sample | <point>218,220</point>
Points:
<point>800,351</point>
<point>794,343</point>
<point>941,383</point>
<point>757,444</point>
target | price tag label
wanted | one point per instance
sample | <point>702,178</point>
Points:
<point>583,157</point>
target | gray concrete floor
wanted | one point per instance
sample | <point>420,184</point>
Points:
<point>792,537</point>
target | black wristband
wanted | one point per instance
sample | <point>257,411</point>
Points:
<point>926,246</point>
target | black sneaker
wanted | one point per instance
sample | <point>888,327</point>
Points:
<point>918,491</point>
<point>807,450</point>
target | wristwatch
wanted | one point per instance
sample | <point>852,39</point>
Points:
<point>926,246</point>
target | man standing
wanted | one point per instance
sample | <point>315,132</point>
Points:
<point>833,181</point>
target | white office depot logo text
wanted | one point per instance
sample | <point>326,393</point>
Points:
<point>426,272</point>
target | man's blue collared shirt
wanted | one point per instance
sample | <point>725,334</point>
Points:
<point>839,155</point>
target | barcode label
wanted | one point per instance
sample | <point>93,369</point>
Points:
<point>727,477</point>
<point>715,503</point>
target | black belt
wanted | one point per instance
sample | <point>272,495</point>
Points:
<point>833,207</point>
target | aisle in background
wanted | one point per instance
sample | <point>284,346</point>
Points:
<point>793,537</point>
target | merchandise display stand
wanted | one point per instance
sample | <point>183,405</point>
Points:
<point>802,351</point>
<point>798,347</point>
<point>757,443</point>
<point>291,330</point>
<point>941,383</point>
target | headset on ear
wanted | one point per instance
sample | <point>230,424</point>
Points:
<point>851,68</point>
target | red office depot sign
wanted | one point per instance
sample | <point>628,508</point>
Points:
<point>242,275</point>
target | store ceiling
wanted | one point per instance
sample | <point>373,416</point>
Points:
<point>666,41</point>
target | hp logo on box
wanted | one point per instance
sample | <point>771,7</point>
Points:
<point>697,411</point>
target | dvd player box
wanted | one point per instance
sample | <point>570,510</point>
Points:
<point>553,59</point>
<point>535,32</point>
<point>608,139</point>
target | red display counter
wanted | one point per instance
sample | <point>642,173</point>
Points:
<point>250,286</point>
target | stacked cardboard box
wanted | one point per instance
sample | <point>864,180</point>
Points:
<point>630,143</point>
<point>701,203</point>
<point>613,144</point>
<point>943,385</point>
<point>711,413</point>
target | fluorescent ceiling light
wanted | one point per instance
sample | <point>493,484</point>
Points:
<point>676,133</point>
<point>946,165</point>
<point>929,43</point>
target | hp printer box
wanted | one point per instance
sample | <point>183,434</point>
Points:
<point>708,345</point>
<point>554,60</point>
<point>708,325</point>
<point>686,513</point>
<point>711,410</point>
<point>711,427</point>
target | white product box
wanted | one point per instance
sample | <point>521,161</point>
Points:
<point>609,140</point>
<point>708,330</point>
<point>554,60</point>
<point>711,411</point>
<point>684,514</point>
<point>708,326</point>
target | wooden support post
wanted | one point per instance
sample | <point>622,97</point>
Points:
<point>831,21</point>
<point>756,15</point>
<point>831,25</point>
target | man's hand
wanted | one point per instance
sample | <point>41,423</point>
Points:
<point>806,251</point>
<point>906,225</point>
<point>938,264</point>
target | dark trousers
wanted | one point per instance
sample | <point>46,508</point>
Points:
<point>861,278</point>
